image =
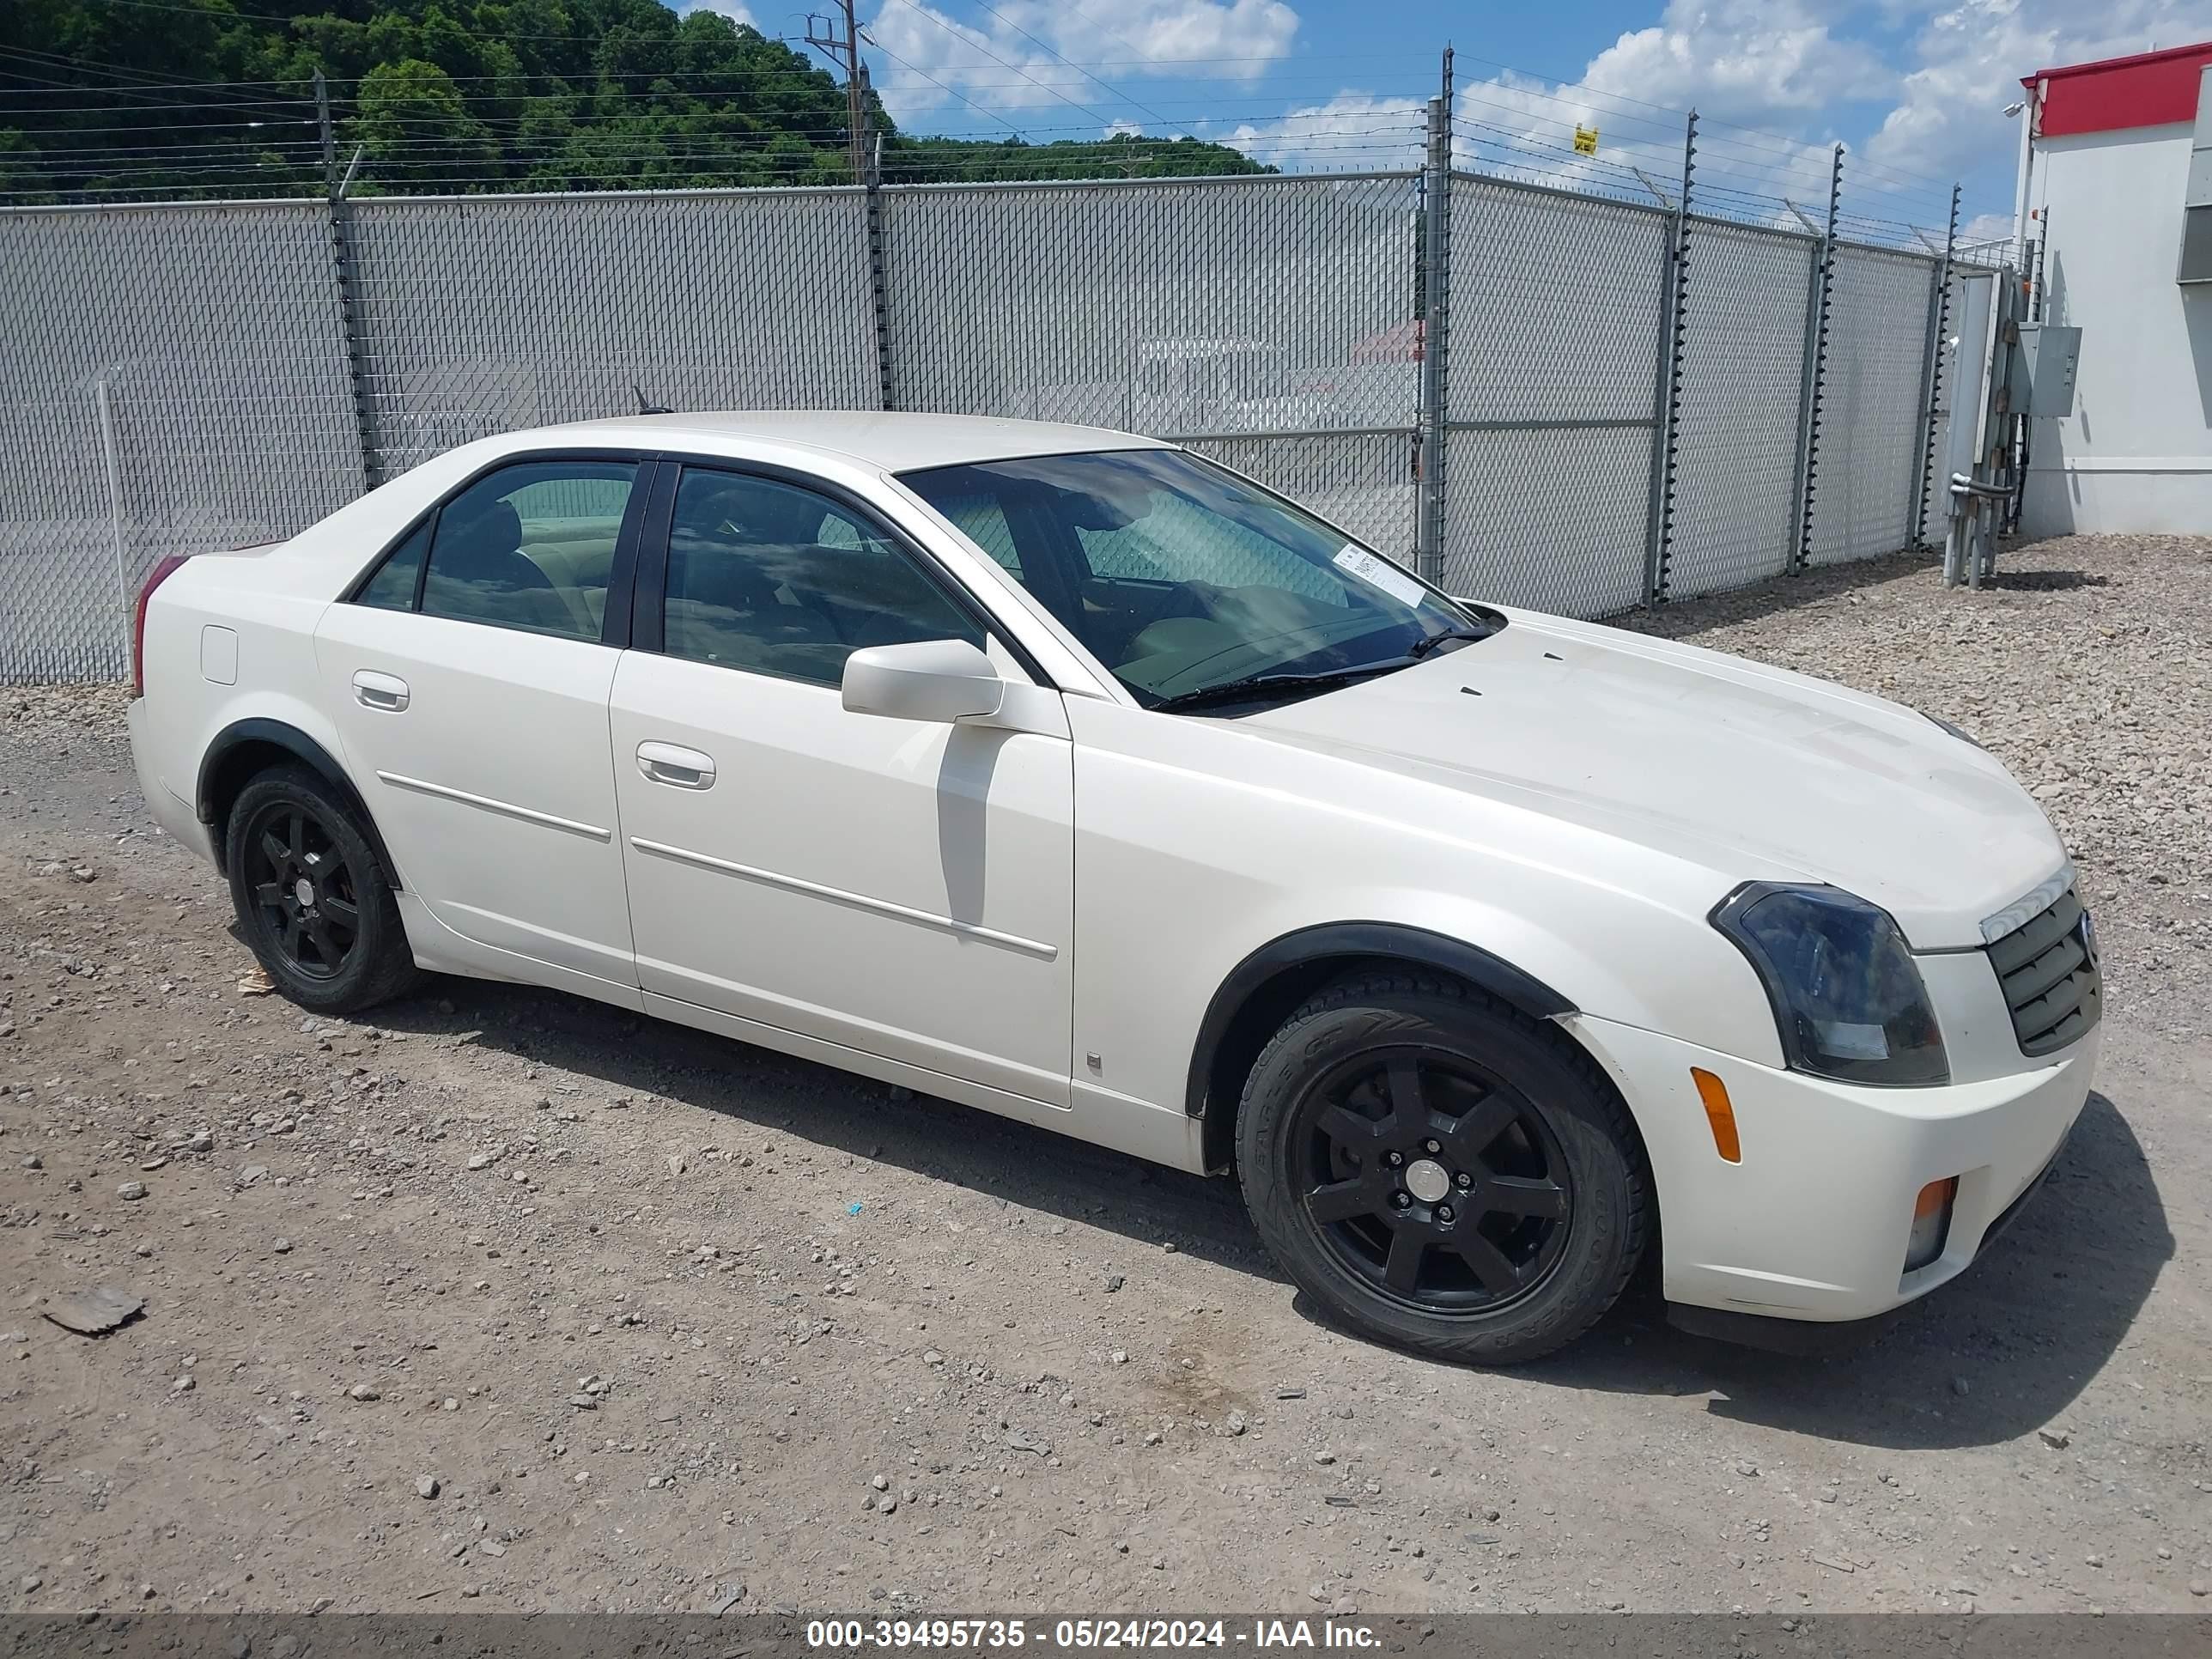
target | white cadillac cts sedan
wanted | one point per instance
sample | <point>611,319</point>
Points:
<point>1068,774</point>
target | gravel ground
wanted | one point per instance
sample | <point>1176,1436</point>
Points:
<point>494,1302</point>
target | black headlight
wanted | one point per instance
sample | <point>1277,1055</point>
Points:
<point>1847,997</point>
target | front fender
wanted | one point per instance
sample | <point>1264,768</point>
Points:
<point>1199,845</point>
<point>1375,940</point>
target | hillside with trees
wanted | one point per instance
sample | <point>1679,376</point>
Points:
<point>124,100</point>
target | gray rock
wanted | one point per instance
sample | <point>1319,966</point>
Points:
<point>364,1391</point>
<point>426,1485</point>
<point>132,1190</point>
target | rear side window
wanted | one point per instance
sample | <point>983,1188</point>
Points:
<point>529,546</point>
<point>776,580</point>
<point>394,586</point>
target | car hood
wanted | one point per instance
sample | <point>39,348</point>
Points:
<point>1754,773</point>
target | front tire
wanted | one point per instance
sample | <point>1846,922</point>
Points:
<point>312,896</point>
<point>1440,1171</point>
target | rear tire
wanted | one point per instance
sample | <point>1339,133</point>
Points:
<point>312,896</point>
<point>1440,1171</point>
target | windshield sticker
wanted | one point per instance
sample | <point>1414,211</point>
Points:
<point>1375,573</point>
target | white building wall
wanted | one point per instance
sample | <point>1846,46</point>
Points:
<point>2136,453</point>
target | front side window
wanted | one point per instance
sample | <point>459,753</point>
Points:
<point>1187,582</point>
<point>529,546</point>
<point>776,580</point>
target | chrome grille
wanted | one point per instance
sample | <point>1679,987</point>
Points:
<point>2048,970</point>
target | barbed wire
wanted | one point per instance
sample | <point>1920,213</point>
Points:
<point>486,132</point>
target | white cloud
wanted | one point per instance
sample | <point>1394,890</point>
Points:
<point>1020,61</point>
<point>1354,130</point>
<point>1740,60</point>
<point>1986,228</point>
<point>1125,129</point>
<point>1970,58</point>
<point>1513,122</point>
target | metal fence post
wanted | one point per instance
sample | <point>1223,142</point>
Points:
<point>878,285</point>
<point>1931,376</point>
<point>1667,391</point>
<point>1436,334</point>
<point>352,318</point>
<point>109,454</point>
<point>1816,372</point>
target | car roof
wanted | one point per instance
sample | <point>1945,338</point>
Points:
<point>896,441</point>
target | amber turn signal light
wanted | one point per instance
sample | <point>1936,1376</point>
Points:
<point>1719,1114</point>
<point>1931,1222</point>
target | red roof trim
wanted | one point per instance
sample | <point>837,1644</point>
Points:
<point>2115,95</point>
<point>2203,49</point>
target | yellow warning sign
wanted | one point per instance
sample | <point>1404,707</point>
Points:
<point>1585,141</point>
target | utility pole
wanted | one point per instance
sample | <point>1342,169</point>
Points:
<point>844,51</point>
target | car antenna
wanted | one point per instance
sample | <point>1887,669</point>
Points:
<point>645,408</point>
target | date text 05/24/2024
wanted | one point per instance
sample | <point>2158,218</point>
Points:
<point>1084,1633</point>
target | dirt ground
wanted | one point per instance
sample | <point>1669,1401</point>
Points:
<point>507,1300</point>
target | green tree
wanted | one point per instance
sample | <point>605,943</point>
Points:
<point>417,126</point>
<point>460,94</point>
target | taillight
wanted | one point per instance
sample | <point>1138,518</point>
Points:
<point>160,573</point>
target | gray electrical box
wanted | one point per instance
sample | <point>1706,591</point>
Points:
<point>2046,361</point>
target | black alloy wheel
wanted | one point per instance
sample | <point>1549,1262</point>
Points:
<point>1439,1170</point>
<point>314,901</point>
<point>306,900</point>
<point>1433,1179</point>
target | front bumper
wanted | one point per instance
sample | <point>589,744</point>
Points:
<point>1813,1224</point>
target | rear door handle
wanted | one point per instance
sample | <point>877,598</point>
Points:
<point>679,768</point>
<point>374,691</point>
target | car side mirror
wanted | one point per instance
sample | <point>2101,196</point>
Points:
<point>941,680</point>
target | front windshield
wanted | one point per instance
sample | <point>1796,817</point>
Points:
<point>1184,579</point>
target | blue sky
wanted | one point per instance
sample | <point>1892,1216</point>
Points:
<point>1915,92</point>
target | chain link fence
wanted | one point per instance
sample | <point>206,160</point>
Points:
<point>1873,423</point>
<point>175,378</point>
<point>202,375</point>
<point>482,314</point>
<point>1555,331</point>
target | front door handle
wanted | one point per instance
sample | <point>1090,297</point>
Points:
<point>387,692</point>
<point>679,768</point>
